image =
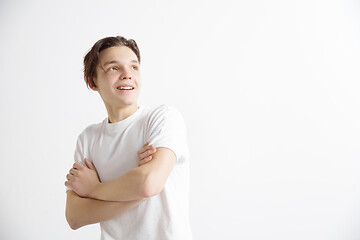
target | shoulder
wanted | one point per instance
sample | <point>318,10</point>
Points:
<point>165,117</point>
<point>164,111</point>
<point>91,130</point>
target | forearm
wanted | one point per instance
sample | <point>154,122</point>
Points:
<point>84,211</point>
<point>128,187</point>
<point>140,182</point>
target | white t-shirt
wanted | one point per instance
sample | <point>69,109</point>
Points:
<point>112,147</point>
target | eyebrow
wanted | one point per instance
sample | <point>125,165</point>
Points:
<point>114,61</point>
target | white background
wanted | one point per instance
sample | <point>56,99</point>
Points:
<point>269,91</point>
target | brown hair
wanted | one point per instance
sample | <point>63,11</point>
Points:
<point>91,59</point>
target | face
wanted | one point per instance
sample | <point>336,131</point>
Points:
<point>118,78</point>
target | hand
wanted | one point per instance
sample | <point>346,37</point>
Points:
<point>144,154</point>
<point>83,180</point>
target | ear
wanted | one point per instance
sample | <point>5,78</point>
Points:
<point>93,87</point>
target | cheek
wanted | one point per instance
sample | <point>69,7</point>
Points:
<point>111,80</point>
<point>138,82</point>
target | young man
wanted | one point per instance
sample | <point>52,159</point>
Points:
<point>131,199</point>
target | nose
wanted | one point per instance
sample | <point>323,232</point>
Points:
<point>125,74</point>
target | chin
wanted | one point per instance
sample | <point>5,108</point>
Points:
<point>128,103</point>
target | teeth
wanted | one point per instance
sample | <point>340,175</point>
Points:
<point>126,88</point>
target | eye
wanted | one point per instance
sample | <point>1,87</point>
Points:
<point>112,69</point>
<point>134,67</point>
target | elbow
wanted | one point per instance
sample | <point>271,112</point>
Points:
<point>73,224</point>
<point>148,193</point>
<point>72,221</point>
<point>71,215</point>
<point>150,187</point>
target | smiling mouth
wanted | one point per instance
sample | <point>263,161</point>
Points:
<point>125,88</point>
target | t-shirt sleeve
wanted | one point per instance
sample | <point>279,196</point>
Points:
<point>166,128</point>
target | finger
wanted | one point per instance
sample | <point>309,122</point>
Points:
<point>147,143</point>
<point>69,184</point>
<point>89,164</point>
<point>143,148</point>
<point>147,153</point>
<point>151,147</point>
<point>73,172</point>
<point>145,160</point>
<point>69,177</point>
<point>148,150</point>
<point>77,165</point>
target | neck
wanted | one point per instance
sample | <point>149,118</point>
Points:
<point>117,114</point>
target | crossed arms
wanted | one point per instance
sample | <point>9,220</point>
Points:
<point>91,201</point>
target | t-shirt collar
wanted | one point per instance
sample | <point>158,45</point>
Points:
<point>114,127</point>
